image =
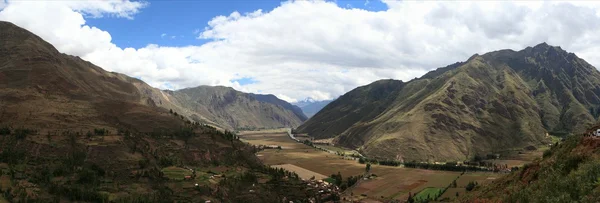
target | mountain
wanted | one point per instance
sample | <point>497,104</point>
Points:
<point>568,172</point>
<point>310,107</point>
<point>269,98</point>
<point>41,87</point>
<point>72,132</point>
<point>233,109</point>
<point>498,101</point>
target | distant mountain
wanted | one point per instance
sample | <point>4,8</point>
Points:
<point>233,109</point>
<point>497,101</point>
<point>269,98</point>
<point>310,107</point>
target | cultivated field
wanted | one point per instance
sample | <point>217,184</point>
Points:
<point>302,172</point>
<point>390,183</point>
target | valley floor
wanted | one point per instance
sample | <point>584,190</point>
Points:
<point>390,183</point>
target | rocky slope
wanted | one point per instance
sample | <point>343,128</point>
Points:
<point>237,110</point>
<point>500,100</point>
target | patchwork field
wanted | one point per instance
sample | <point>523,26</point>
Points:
<point>390,183</point>
<point>481,178</point>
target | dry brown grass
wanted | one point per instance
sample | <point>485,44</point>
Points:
<point>302,172</point>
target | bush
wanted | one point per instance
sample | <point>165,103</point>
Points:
<point>143,163</point>
<point>100,131</point>
<point>4,131</point>
<point>21,133</point>
<point>470,186</point>
<point>547,153</point>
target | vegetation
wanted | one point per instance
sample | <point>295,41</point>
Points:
<point>449,166</point>
<point>338,180</point>
<point>428,194</point>
<point>570,172</point>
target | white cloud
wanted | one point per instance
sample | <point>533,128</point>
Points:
<point>317,49</point>
<point>163,35</point>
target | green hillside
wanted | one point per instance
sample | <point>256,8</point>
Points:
<point>493,102</point>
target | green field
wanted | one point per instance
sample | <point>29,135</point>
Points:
<point>176,173</point>
<point>329,180</point>
<point>428,193</point>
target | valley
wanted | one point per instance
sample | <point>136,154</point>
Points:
<point>387,183</point>
<point>222,118</point>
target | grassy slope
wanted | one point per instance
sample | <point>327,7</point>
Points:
<point>497,101</point>
<point>569,172</point>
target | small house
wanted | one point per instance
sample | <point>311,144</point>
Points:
<point>187,177</point>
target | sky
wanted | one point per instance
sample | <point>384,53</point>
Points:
<point>299,49</point>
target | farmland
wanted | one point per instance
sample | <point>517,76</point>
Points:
<point>388,183</point>
<point>428,193</point>
<point>303,173</point>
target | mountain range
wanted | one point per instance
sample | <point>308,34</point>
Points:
<point>310,107</point>
<point>493,102</point>
<point>42,87</point>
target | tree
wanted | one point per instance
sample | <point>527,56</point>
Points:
<point>470,186</point>
<point>410,198</point>
<point>368,168</point>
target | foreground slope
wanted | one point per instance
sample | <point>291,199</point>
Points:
<point>492,102</point>
<point>70,131</point>
<point>569,172</point>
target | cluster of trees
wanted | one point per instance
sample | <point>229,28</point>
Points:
<point>279,173</point>
<point>444,167</point>
<point>19,133</point>
<point>349,182</point>
<point>101,131</point>
<point>309,143</point>
<point>450,166</point>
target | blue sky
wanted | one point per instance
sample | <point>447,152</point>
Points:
<point>179,20</point>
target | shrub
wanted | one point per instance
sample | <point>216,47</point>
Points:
<point>4,131</point>
<point>470,186</point>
